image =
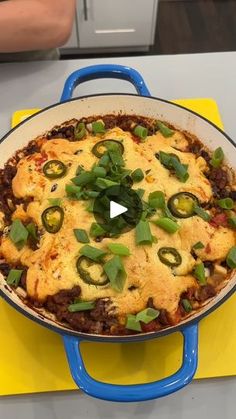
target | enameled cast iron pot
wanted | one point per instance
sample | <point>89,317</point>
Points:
<point>140,104</point>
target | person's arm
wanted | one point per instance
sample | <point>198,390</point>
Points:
<point>35,24</point>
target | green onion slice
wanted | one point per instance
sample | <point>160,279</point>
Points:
<point>198,245</point>
<point>32,230</point>
<point>79,131</point>
<point>118,249</point>
<point>81,306</point>
<point>147,315</point>
<point>140,192</point>
<point>231,258</point>
<point>226,203</point>
<point>172,162</point>
<point>201,213</point>
<point>92,252</point>
<point>81,235</point>
<point>55,201</point>
<point>115,271</point>
<point>186,305</point>
<point>73,191</point>
<point>104,183</point>
<point>156,199</point>
<point>18,234</point>
<point>199,273</point>
<point>14,276</point>
<point>104,160</point>
<point>143,233</point>
<point>232,222</point>
<point>84,179</point>
<point>96,230</point>
<point>217,157</point>
<point>167,224</point>
<point>132,323</point>
<point>98,127</point>
<point>166,131</point>
<point>99,171</point>
<point>137,175</point>
<point>141,132</point>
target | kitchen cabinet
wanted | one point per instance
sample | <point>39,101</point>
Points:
<point>110,25</point>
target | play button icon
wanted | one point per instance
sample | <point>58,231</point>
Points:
<point>116,209</point>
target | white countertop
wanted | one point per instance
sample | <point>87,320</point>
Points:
<point>30,85</point>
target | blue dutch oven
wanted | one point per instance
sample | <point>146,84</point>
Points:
<point>143,104</point>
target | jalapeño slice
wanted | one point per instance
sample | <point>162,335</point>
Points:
<point>52,219</point>
<point>91,272</point>
<point>169,256</point>
<point>54,169</point>
<point>182,204</point>
<point>103,146</point>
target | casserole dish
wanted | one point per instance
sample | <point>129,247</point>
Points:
<point>128,104</point>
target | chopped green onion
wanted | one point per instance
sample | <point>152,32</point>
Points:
<point>201,213</point>
<point>81,235</point>
<point>31,227</point>
<point>115,271</point>
<point>199,273</point>
<point>73,191</point>
<point>171,161</point>
<point>55,201</point>
<point>98,127</point>
<point>143,233</point>
<point>104,183</point>
<point>217,157</point>
<point>92,252</point>
<point>99,171</point>
<point>226,203</point>
<point>232,222</point>
<point>231,258</point>
<point>132,323</point>
<point>18,234</point>
<point>14,276</point>
<point>116,157</point>
<point>90,207</point>
<point>140,192</point>
<point>96,230</point>
<point>90,194</point>
<point>79,170</point>
<point>137,175</point>
<point>84,178</point>
<point>118,249</point>
<point>104,160</point>
<point>141,132</point>
<point>147,315</point>
<point>156,199</point>
<point>198,245</point>
<point>81,306</point>
<point>167,224</point>
<point>186,305</point>
<point>181,170</point>
<point>79,131</point>
<point>166,131</point>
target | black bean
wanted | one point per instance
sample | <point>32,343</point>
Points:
<point>54,187</point>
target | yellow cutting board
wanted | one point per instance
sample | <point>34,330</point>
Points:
<point>32,358</point>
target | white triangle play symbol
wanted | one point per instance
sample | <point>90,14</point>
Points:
<point>116,209</point>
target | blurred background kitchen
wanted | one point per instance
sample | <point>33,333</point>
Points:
<point>135,27</point>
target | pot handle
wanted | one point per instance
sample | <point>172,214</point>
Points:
<point>100,71</point>
<point>134,392</point>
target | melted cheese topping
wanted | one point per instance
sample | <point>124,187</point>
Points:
<point>52,267</point>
